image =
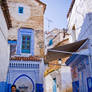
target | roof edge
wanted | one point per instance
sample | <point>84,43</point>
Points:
<point>70,9</point>
<point>42,4</point>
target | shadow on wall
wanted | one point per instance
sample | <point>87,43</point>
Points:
<point>86,28</point>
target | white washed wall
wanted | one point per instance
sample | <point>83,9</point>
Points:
<point>77,17</point>
<point>66,78</point>
<point>4,48</point>
<point>63,81</point>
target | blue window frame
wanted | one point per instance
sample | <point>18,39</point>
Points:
<point>13,45</point>
<point>50,42</point>
<point>20,10</point>
<point>75,85</point>
<point>26,43</point>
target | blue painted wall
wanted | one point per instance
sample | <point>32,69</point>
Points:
<point>39,88</point>
<point>4,87</point>
<point>19,42</point>
<point>75,86</point>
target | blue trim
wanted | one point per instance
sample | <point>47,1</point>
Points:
<point>19,42</point>
<point>12,42</point>
<point>75,86</point>
<point>89,84</point>
<point>24,75</point>
<point>20,9</point>
<point>39,87</point>
<point>3,87</point>
<point>72,58</point>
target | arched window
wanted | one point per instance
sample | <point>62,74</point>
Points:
<point>14,65</point>
<point>23,65</point>
<point>31,65</point>
<point>37,65</point>
<point>18,65</point>
<point>10,64</point>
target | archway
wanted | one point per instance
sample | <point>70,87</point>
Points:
<point>24,75</point>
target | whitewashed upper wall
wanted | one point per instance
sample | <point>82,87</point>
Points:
<point>4,48</point>
<point>76,18</point>
<point>86,30</point>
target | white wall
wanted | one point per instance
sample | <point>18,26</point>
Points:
<point>66,78</point>
<point>14,11</point>
<point>63,80</point>
<point>4,48</point>
<point>76,18</point>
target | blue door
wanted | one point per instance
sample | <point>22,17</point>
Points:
<point>54,85</point>
<point>89,84</point>
<point>75,86</point>
<point>39,87</point>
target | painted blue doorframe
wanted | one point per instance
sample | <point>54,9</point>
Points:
<point>75,86</point>
<point>89,84</point>
<point>39,88</point>
<point>24,75</point>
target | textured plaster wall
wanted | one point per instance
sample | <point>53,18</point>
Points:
<point>63,81</point>
<point>76,18</point>
<point>4,48</point>
<point>32,17</point>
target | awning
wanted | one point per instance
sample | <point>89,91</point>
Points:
<point>62,51</point>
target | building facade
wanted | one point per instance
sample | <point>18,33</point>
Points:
<point>55,36</point>
<point>26,40</point>
<point>5,24</point>
<point>55,73</point>
<point>57,78</point>
<point>79,25</point>
<point>26,73</point>
<point>28,14</point>
<point>79,20</point>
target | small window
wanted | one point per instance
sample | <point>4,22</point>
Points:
<point>37,65</point>
<point>14,65</point>
<point>31,66</point>
<point>20,10</point>
<point>50,42</point>
<point>10,64</point>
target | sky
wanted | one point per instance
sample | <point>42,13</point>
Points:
<point>56,14</point>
